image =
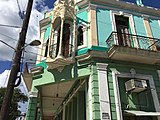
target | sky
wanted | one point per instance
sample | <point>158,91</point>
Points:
<point>9,15</point>
<point>151,3</point>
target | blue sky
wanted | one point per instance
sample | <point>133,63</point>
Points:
<point>4,65</point>
<point>153,3</point>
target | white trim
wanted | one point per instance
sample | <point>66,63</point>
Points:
<point>116,74</point>
<point>90,98</point>
<point>117,95</point>
<point>103,90</point>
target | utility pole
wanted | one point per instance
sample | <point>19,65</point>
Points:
<point>15,65</point>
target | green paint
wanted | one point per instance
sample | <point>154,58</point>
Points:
<point>104,26</point>
<point>96,48</point>
<point>155,28</point>
<point>43,64</point>
<point>32,106</point>
<point>47,34</point>
<point>82,17</point>
<point>140,30</point>
<point>95,93</point>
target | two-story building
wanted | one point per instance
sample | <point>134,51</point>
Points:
<point>99,60</point>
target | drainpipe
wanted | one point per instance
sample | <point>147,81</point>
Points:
<point>139,3</point>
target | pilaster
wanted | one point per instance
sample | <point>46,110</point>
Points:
<point>149,32</point>
<point>104,91</point>
<point>92,30</point>
<point>32,107</point>
<point>95,94</point>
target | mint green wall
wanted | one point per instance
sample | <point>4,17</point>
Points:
<point>140,30</point>
<point>47,34</point>
<point>32,106</point>
<point>155,28</point>
<point>82,17</point>
<point>52,76</point>
<point>104,25</point>
<point>111,95</point>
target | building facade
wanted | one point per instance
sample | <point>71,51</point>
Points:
<point>99,60</point>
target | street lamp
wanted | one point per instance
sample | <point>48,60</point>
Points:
<point>32,43</point>
<point>12,82</point>
<point>15,64</point>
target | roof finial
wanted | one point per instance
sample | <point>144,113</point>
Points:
<point>139,2</point>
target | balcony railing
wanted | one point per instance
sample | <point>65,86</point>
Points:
<point>133,41</point>
<point>67,51</point>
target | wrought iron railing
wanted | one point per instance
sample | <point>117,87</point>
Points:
<point>67,50</point>
<point>134,41</point>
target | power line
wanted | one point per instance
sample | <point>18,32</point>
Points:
<point>13,26</point>
<point>21,14</point>
<point>34,53</point>
<point>8,36</point>
<point>7,44</point>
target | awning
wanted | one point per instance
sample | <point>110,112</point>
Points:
<point>141,113</point>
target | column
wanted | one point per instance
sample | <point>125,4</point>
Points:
<point>32,106</point>
<point>149,32</point>
<point>92,31</point>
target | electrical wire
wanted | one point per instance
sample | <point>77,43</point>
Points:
<point>35,53</point>
<point>8,36</point>
<point>13,26</point>
<point>7,44</point>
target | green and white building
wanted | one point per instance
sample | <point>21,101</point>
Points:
<point>99,60</point>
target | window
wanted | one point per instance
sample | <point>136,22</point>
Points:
<point>80,39</point>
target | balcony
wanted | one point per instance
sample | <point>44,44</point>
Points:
<point>133,48</point>
<point>60,60</point>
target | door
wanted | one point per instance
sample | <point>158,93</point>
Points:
<point>122,25</point>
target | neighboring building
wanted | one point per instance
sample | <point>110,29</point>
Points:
<point>99,60</point>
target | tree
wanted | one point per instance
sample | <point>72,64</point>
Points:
<point>18,96</point>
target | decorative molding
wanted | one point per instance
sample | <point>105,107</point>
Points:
<point>133,8</point>
<point>45,22</point>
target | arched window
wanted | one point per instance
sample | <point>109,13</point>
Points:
<point>80,39</point>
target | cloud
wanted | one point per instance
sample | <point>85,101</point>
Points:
<point>4,78</point>
<point>9,15</point>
